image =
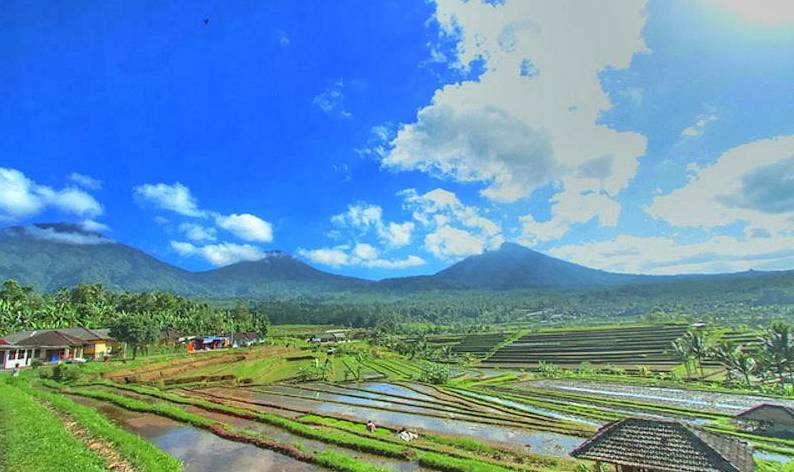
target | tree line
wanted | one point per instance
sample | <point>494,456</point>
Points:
<point>94,306</point>
<point>770,360</point>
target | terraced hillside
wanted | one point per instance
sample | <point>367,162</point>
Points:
<point>476,345</point>
<point>627,347</point>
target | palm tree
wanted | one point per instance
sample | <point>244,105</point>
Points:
<point>779,351</point>
<point>682,351</point>
<point>736,360</point>
<point>700,348</point>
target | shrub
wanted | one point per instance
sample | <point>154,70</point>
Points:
<point>434,373</point>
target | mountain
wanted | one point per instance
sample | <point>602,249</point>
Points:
<point>53,256</point>
<point>514,267</point>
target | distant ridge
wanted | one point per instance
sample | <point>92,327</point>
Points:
<point>58,255</point>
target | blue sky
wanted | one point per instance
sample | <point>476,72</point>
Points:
<point>392,138</point>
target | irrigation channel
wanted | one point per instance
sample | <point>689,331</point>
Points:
<point>546,419</point>
<point>395,406</point>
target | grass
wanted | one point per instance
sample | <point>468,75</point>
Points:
<point>336,461</point>
<point>34,439</point>
<point>338,438</point>
<point>137,451</point>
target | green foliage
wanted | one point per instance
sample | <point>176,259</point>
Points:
<point>136,330</point>
<point>142,454</point>
<point>437,374</point>
<point>34,439</point>
<point>344,463</point>
<point>66,373</point>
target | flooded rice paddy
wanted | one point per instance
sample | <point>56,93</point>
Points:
<point>394,413</point>
<point>200,451</point>
<point>711,402</point>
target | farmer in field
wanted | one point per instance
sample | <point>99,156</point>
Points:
<point>371,427</point>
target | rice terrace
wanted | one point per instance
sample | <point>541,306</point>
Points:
<point>301,401</point>
<point>397,236</point>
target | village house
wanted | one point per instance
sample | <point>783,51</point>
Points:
<point>645,445</point>
<point>205,343</point>
<point>774,420</point>
<point>246,339</point>
<point>330,336</point>
<point>53,345</point>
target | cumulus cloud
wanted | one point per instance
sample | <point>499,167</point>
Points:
<point>663,255</point>
<point>361,255</point>
<point>333,257</point>
<point>220,254</point>
<point>365,251</point>
<point>453,229</point>
<point>177,198</point>
<point>21,197</point>
<point>486,144</point>
<point>531,118</point>
<point>197,232</point>
<point>85,181</point>
<point>172,197</point>
<point>246,227</point>
<point>366,218</point>
<point>751,183</point>
<point>64,237</point>
<point>448,242</point>
<point>332,100</point>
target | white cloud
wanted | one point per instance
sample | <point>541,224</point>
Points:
<point>752,183</point>
<point>701,122</point>
<point>199,233</point>
<point>362,216</point>
<point>85,181</point>
<point>397,235</point>
<point>395,264</point>
<point>443,214</point>
<point>326,256</point>
<point>367,218</point>
<point>220,254</point>
<point>65,237</point>
<point>365,251</point>
<point>21,197</point>
<point>662,255</point>
<point>332,100</point>
<point>246,227</point>
<point>765,12</point>
<point>362,255</point>
<point>94,226</point>
<point>176,198</point>
<point>515,133</point>
<point>448,242</point>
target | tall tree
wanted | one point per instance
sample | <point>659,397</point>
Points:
<point>778,351</point>
<point>136,330</point>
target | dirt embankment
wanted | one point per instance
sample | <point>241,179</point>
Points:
<point>113,459</point>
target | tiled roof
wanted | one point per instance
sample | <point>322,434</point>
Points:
<point>666,446</point>
<point>769,413</point>
<point>51,339</point>
<point>84,334</point>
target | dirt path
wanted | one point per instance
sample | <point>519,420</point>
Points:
<point>104,449</point>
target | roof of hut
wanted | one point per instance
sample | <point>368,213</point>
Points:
<point>769,413</point>
<point>666,446</point>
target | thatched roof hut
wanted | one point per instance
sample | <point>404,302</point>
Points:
<point>637,444</point>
